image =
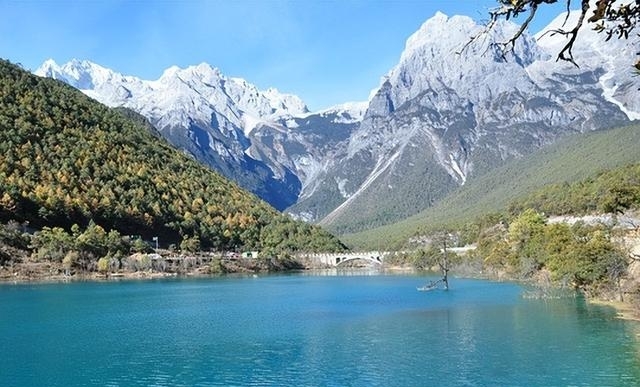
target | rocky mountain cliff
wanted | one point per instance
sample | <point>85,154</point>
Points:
<point>439,118</point>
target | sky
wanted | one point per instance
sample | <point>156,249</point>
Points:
<point>325,51</point>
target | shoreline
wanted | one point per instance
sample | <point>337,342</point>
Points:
<point>85,277</point>
<point>625,310</point>
<point>36,271</point>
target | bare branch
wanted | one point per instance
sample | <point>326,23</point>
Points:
<point>615,18</point>
<point>573,34</point>
<point>512,42</point>
<point>566,18</point>
<point>472,39</point>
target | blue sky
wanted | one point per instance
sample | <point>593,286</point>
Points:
<point>325,51</point>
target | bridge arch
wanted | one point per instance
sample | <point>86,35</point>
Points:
<point>340,261</point>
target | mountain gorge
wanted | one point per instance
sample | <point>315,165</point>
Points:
<point>441,117</point>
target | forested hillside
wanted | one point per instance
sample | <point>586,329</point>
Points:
<point>526,240</point>
<point>612,191</point>
<point>571,162</point>
<point>66,159</point>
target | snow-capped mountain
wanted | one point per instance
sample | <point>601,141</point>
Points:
<point>196,91</point>
<point>200,110</point>
<point>443,115</point>
<point>440,117</point>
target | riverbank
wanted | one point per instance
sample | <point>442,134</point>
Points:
<point>143,266</point>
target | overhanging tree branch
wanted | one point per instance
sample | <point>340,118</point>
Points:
<point>566,53</point>
<point>615,18</point>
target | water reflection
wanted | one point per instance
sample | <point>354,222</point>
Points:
<point>343,272</point>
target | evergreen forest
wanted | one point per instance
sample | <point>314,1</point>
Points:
<point>70,164</point>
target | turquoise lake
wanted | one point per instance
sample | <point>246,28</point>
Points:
<point>308,330</point>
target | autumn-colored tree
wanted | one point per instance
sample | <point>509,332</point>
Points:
<point>190,244</point>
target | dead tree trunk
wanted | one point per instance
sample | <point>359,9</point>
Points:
<point>444,265</point>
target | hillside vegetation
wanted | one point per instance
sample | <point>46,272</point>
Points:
<point>578,157</point>
<point>612,191</point>
<point>521,241</point>
<point>65,159</point>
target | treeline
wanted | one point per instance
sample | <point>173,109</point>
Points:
<point>612,191</point>
<point>65,159</point>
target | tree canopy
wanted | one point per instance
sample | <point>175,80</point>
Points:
<point>613,18</point>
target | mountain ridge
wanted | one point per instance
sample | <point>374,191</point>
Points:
<point>469,112</point>
<point>213,118</point>
<point>438,118</point>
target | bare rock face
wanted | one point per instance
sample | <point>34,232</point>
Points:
<point>443,116</point>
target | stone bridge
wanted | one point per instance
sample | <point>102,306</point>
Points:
<point>374,258</point>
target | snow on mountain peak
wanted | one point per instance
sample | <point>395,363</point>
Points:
<point>51,69</point>
<point>345,113</point>
<point>428,32</point>
<point>210,82</point>
<point>447,36</point>
<point>205,73</point>
<point>206,68</point>
<point>441,56</point>
<point>285,104</point>
<point>48,65</point>
<point>181,95</point>
<point>357,107</point>
<point>81,74</point>
<point>170,72</point>
<point>439,31</point>
<point>591,51</point>
<point>349,112</point>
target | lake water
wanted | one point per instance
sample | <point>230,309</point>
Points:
<point>307,330</point>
